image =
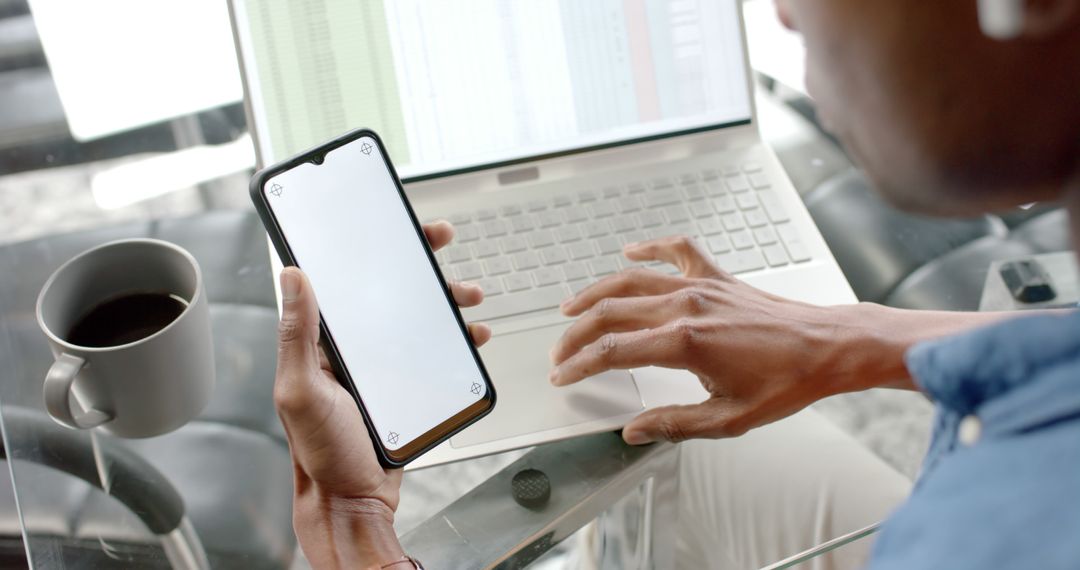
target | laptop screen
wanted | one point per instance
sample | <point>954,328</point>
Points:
<point>462,84</point>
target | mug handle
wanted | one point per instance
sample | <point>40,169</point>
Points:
<point>58,383</point>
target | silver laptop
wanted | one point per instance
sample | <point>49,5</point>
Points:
<point>550,133</point>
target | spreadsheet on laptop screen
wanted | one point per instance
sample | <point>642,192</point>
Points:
<point>454,84</point>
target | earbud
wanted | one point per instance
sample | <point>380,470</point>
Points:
<point>1001,19</point>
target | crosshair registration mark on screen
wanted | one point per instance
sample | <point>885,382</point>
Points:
<point>366,147</point>
<point>392,437</point>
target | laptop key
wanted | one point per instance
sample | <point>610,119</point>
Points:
<point>798,251</point>
<point>497,266</point>
<point>701,209</point>
<point>693,192</point>
<point>665,197</point>
<point>485,214</point>
<point>586,196</point>
<point>609,244</point>
<point>513,244</point>
<point>771,202</point>
<point>741,239</point>
<point>677,214</point>
<point>576,214</point>
<point>490,286</point>
<point>567,234</point>
<point>759,180</point>
<point>460,218</point>
<point>526,260</point>
<point>517,282</point>
<point>550,219</point>
<point>597,228</point>
<point>737,183</point>
<point>495,228</point>
<point>634,237</point>
<point>746,201</point>
<point>522,223</point>
<point>629,204</point>
<point>458,253</point>
<point>775,255</point>
<point>536,205</point>
<point>581,250</point>
<point>561,201</point>
<point>547,276</point>
<point>541,238</point>
<point>466,233</point>
<point>516,303</point>
<point>469,271</point>
<point>624,224</point>
<point>755,218</point>
<point>716,188</point>
<point>661,182</point>
<point>650,219</point>
<point>510,210</point>
<point>635,187</point>
<point>576,270</point>
<point>710,226</point>
<point>486,248</point>
<point>604,209</point>
<point>787,232</point>
<point>612,192</point>
<point>688,178</point>
<point>553,255</point>
<point>732,222</point>
<point>719,244</point>
<point>765,235</point>
<point>604,266</point>
<point>751,167</point>
<point>710,174</point>
<point>724,204</point>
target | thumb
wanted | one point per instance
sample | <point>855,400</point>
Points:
<point>298,331</point>
<point>678,423</point>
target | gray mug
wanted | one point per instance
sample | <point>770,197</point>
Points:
<point>143,388</point>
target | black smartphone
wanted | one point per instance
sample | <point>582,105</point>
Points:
<point>390,328</point>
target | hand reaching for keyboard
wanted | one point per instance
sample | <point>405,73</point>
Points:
<point>761,357</point>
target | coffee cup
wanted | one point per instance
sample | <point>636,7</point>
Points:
<point>128,323</point>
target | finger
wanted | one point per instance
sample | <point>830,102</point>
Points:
<point>681,251</point>
<point>298,343</point>
<point>634,282</point>
<point>438,233</point>
<point>679,423</point>
<point>612,314</point>
<point>480,333</point>
<point>466,293</point>
<point>620,351</point>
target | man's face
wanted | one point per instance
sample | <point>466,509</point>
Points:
<point>943,119</point>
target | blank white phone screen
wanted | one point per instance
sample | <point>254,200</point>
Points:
<point>382,301</point>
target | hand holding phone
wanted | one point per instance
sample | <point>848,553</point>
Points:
<point>337,472</point>
<point>390,330</point>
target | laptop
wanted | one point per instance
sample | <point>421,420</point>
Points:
<point>550,133</point>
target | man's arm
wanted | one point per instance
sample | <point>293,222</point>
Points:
<point>760,356</point>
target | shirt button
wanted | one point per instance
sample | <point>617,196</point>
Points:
<point>970,429</point>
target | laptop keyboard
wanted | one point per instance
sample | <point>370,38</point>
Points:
<point>530,256</point>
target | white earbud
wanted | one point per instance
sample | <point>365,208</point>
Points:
<point>1001,19</point>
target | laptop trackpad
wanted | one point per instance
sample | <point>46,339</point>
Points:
<point>526,402</point>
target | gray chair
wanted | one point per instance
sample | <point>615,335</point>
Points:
<point>244,520</point>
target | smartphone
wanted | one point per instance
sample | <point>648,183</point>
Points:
<point>390,327</point>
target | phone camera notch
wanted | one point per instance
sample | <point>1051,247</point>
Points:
<point>317,159</point>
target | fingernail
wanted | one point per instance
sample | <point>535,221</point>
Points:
<point>290,285</point>
<point>635,437</point>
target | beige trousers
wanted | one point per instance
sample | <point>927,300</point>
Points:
<point>778,490</point>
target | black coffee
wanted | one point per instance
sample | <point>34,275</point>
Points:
<point>126,319</point>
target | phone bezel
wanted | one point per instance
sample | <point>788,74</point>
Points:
<point>453,425</point>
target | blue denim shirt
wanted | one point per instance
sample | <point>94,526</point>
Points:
<point>1011,497</point>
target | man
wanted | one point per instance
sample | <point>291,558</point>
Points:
<point>944,120</point>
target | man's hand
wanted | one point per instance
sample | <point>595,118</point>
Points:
<point>345,501</point>
<point>761,357</point>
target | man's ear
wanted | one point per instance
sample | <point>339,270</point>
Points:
<point>1047,18</point>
